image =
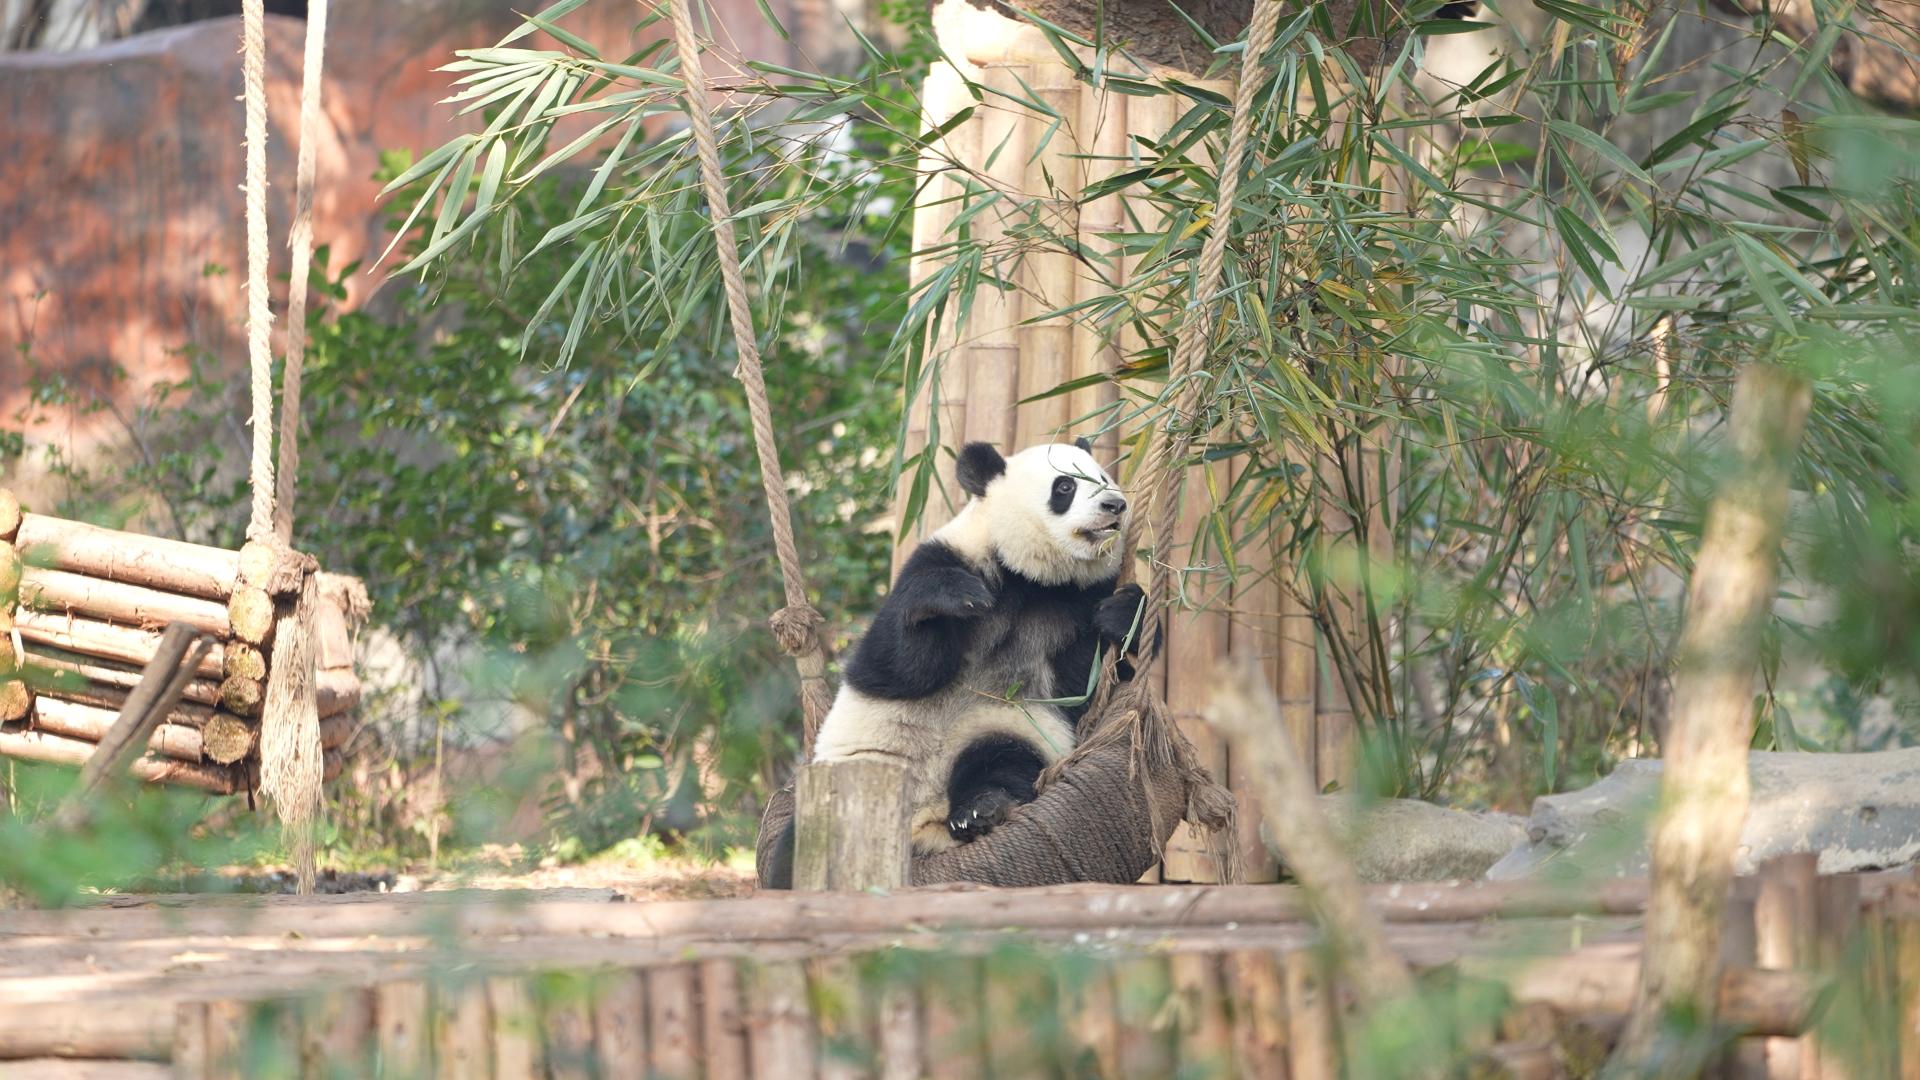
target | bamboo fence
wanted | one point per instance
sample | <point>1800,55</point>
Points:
<point>1824,980</point>
<point>81,612</point>
<point>1005,354</point>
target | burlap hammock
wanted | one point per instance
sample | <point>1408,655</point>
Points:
<point>1106,811</point>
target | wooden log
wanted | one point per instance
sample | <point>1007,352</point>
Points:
<point>1102,132</point>
<point>568,1023</point>
<point>1837,926</point>
<point>1313,1048</point>
<point>227,739</point>
<point>1253,630</point>
<point>336,691</point>
<point>250,611</point>
<point>335,730</point>
<point>92,681</point>
<point>275,569</point>
<point>851,830</point>
<point>244,661</point>
<point>11,572</point>
<point>462,1030</point>
<point>516,1030</point>
<point>1906,934</point>
<point>1590,982</point>
<point>62,592</point>
<point>40,746</point>
<point>333,639</point>
<point>1257,991</point>
<point>242,697</point>
<point>33,1029</point>
<point>16,700</point>
<point>71,1069</point>
<point>403,1028</point>
<point>723,1030</point>
<point>673,1023</point>
<point>1704,782</point>
<point>192,1059</point>
<point>1196,640</point>
<point>135,558</point>
<point>779,1026</point>
<point>1016,993</point>
<point>9,516</point>
<point>180,648</point>
<point>228,1056</point>
<point>337,1033</point>
<point>620,1024</point>
<point>1783,920</point>
<point>84,722</point>
<point>842,1020</point>
<point>1088,1021</point>
<point>122,644</point>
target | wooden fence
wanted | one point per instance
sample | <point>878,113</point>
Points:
<point>1077,980</point>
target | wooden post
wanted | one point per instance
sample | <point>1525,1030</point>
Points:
<point>1257,991</point>
<point>1312,1044</point>
<point>673,1023</point>
<point>850,820</point>
<point>462,1030</point>
<point>516,1030</point>
<point>620,1024</point>
<point>723,1031</point>
<point>779,1026</point>
<point>403,1028</point>
<point>1704,786</point>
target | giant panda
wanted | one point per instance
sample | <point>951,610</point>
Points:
<point>993,616</point>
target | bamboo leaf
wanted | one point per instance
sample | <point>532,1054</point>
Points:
<point>1612,154</point>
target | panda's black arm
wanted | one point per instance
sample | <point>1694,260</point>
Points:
<point>918,641</point>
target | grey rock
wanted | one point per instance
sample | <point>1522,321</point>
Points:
<point>1857,811</point>
<point>1410,840</point>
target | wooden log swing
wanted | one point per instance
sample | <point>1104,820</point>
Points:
<point>268,705</point>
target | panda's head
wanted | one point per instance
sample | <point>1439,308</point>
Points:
<point>1049,512</point>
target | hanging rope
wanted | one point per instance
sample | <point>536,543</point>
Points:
<point>301,241</point>
<point>798,625</point>
<point>1131,710</point>
<point>253,72</point>
<point>291,758</point>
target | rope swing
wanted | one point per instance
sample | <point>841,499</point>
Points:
<point>1127,733</point>
<point>291,758</point>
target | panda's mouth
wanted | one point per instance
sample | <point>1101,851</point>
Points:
<point>1099,533</point>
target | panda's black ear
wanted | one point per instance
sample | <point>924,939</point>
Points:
<point>980,464</point>
<point>1084,443</point>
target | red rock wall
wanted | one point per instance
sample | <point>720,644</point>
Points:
<point>121,171</point>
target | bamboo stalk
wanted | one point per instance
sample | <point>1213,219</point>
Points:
<point>1253,631</point>
<point>463,1031</point>
<point>991,336</point>
<point>1196,639</point>
<point>620,1024</point>
<point>403,1031</point>
<point>1102,130</point>
<point>1050,173</point>
<point>516,1030</point>
<point>1704,785</point>
<point>723,1031</point>
<point>39,746</point>
<point>62,592</point>
<point>134,558</point>
<point>673,1023</point>
<point>779,1029</point>
<point>124,644</point>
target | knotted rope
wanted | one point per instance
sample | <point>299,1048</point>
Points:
<point>798,626</point>
<point>1131,711</point>
<point>291,758</point>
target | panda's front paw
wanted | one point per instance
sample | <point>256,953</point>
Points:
<point>980,815</point>
<point>1114,617</point>
<point>951,594</point>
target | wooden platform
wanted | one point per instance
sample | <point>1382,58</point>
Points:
<point>787,985</point>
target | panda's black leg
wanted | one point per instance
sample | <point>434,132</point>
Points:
<point>990,778</point>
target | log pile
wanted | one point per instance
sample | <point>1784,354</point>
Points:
<point>81,612</point>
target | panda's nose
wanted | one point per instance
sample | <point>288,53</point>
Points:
<point>1113,504</point>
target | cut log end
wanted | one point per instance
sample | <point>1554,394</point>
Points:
<point>227,739</point>
<point>9,573</point>
<point>15,700</point>
<point>9,516</point>
<point>276,570</point>
<point>244,661</point>
<point>242,696</point>
<point>250,610</point>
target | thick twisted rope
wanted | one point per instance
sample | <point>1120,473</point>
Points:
<point>1131,710</point>
<point>798,625</point>
<point>253,68</point>
<point>301,241</point>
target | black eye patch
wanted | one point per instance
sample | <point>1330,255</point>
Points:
<point>1062,498</point>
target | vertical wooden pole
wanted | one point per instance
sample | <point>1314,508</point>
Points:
<point>1206,1032</point>
<point>191,1055</point>
<point>851,828</point>
<point>950,999</point>
<point>902,1051</point>
<point>1258,994</point>
<point>339,1033</point>
<point>1141,987</point>
<point>463,1030</point>
<point>845,1025</point>
<point>1090,1024</point>
<point>723,1031</point>
<point>1102,132</point>
<point>620,1024</point>
<point>404,1031</point>
<point>991,349</point>
<point>568,1021</point>
<point>1197,639</point>
<point>1783,915</point>
<point>1906,962</point>
<point>1312,1045</point>
<point>1836,920</point>
<point>779,1023</point>
<point>516,1030</point>
<point>1051,174</point>
<point>673,1023</point>
<point>1254,631</point>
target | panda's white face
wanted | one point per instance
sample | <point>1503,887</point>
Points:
<point>1054,515</point>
